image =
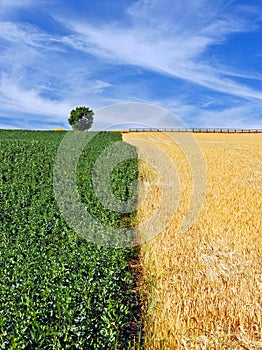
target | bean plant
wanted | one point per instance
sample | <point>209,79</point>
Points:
<point>58,290</point>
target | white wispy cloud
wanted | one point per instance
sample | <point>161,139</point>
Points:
<point>15,98</point>
<point>8,5</point>
<point>25,34</point>
<point>174,113</point>
<point>31,72</point>
<point>243,116</point>
<point>11,125</point>
<point>16,102</point>
<point>45,73</point>
<point>171,39</point>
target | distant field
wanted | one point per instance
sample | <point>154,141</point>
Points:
<point>202,289</point>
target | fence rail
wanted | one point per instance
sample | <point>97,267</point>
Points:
<point>202,130</point>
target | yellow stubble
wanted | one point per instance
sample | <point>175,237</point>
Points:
<point>202,288</point>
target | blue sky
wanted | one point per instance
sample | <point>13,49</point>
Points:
<point>200,60</point>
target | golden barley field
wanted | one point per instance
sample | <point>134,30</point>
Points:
<point>202,289</point>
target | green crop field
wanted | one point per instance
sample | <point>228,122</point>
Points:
<point>58,290</point>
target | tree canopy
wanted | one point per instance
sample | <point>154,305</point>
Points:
<point>81,118</point>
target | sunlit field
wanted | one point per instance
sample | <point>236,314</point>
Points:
<point>59,290</point>
<point>202,289</point>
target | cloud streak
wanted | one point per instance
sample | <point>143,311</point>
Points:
<point>14,98</point>
<point>164,52</point>
<point>177,49</point>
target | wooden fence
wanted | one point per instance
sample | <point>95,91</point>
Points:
<point>202,130</point>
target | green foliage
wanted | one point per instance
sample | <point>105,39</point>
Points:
<point>57,290</point>
<point>81,118</point>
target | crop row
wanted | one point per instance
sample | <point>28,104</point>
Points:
<point>58,290</point>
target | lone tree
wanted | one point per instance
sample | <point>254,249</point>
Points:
<point>81,118</point>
